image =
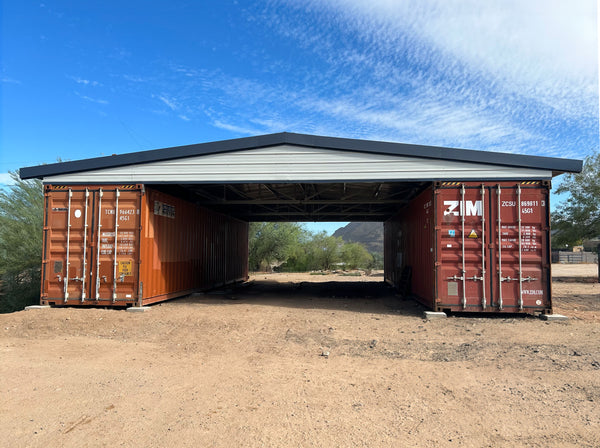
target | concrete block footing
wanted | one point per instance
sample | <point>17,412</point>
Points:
<point>37,307</point>
<point>138,309</point>
<point>554,317</point>
<point>434,315</point>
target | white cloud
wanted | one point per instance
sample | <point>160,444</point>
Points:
<point>169,102</point>
<point>85,82</point>
<point>7,80</point>
<point>6,179</point>
<point>508,76</point>
<point>235,128</point>
<point>92,100</point>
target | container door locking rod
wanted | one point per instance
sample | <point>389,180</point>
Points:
<point>500,278</point>
<point>114,295</point>
<point>483,299</point>
<point>66,281</point>
<point>520,250</point>
<point>464,272</point>
<point>98,247</point>
<point>85,232</point>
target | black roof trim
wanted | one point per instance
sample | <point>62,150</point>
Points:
<point>556,165</point>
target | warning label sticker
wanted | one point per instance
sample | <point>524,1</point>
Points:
<point>473,234</point>
<point>125,267</point>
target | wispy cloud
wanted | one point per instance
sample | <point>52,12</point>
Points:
<point>85,82</point>
<point>170,102</point>
<point>92,100</point>
<point>234,128</point>
<point>8,80</point>
<point>506,76</point>
<point>134,78</point>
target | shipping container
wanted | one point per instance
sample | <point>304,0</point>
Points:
<point>130,245</point>
<point>474,247</point>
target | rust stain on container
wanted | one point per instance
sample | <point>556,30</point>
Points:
<point>121,245</point>
<point>476,247</point>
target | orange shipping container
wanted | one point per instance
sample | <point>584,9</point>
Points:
<point>476,247</point>
<point>130,245</point>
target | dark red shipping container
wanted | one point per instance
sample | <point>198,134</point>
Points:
<point>475,247</point>
<point>123,245</point>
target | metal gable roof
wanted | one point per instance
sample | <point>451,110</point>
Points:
<point>556,165</point>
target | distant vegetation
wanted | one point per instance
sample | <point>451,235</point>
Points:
<point>21,212</point>
<point>289,247</point>
<point>578,218</point>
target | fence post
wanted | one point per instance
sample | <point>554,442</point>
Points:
<point>598,253</point>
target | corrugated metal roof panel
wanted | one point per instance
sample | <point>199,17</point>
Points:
<point>298,164</point>
<point>554,165</point>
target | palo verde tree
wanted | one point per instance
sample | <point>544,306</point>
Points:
<point>355,255</point>
<point>21,215</point>
<point>324,251</point>
<point>271,243</point>
<point>579,217</point>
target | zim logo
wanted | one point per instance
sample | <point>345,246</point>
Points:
<point>473,208</point>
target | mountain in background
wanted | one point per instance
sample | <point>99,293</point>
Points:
<point>370,234</point>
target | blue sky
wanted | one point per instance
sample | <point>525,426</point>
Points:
<point>92,78</point>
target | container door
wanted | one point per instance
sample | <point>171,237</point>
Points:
<point>462,258</point>
<point>66,265</point>
<point>115,239</point>
<point>91,245</point>
<point>521,267</point>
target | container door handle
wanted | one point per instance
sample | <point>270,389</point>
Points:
<point>455,277</point>
<point>528,279</point>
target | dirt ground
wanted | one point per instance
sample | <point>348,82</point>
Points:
<point>300,360</point>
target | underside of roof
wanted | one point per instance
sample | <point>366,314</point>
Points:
<point>360,201</point>
<point>297,177</point>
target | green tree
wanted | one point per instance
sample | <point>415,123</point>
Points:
<point>271,243</point>
<point>354,255</point>
<point>377,261</point>
<point>324,251</point>
<point>21,216</point>
<point>579,217</point>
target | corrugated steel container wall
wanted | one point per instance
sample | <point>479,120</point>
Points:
<point>472,247</point>
<point>118,245</point>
